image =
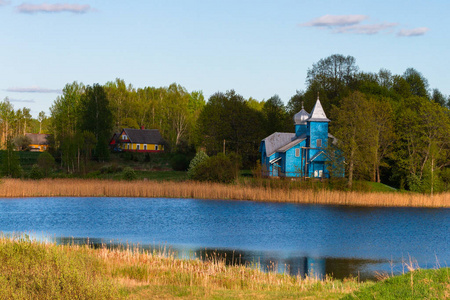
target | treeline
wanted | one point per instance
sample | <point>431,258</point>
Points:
<point>391,128</point>
<point>14,123</point>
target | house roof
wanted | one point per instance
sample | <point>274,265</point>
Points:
<point>318,114</point>
<point>38,138</point>
<point>144,136</point>
<point>277,140</point>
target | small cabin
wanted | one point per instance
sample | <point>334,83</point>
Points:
<point>38,141</point>
<point>138,140</point>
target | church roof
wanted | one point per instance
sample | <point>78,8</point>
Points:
<point>277,140</point>
<point>301,117</point>
<point>292,144</point>
<point>318,114</point>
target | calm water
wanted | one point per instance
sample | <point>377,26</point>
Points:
<point>295,238</point>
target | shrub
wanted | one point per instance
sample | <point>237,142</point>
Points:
<point>46,162</point>
<point>129,174</point>
<point>198,159</point>
<point>218,168</point>
<point>179,162</point>
<point>36,172</point>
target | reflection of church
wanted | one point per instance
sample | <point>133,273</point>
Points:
<point>299,154</point>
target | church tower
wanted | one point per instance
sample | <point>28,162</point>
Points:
<point>317,129</point>
<point>300,122</point>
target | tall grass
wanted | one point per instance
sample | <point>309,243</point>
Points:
<point>189,189</point>
<point>34,270</point>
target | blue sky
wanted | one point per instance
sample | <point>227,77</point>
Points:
<point>258,48</point>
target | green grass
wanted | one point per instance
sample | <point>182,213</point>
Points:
<point>418,284</point>
<point>380,187</point>
<point>32,270</point>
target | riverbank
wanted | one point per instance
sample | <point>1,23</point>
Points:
<point>10,188</point>
<point>35,270</point>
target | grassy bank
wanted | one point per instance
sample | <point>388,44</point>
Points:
<point>34,270</point>
<point>187,189</point>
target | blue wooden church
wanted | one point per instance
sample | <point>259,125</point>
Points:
<point>300,154</point>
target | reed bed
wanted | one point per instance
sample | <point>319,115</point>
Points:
<point>200,190</point>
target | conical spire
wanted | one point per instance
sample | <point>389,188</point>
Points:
<point>317,113</point>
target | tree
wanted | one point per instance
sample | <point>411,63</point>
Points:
<point>41,118</point>
<point>438,97</point>
<point>334,75</point>
<point>46,162</point>
<point>351,128</point>
<point>22,142</point>
<point>423,128</point>
<point>276,119</point>
<point>417,83</point>
<point>11,162</point>
<point>226,118</point>
<point>95,116</point>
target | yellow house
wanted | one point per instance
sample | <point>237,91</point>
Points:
<point>38,141</point>
<point>138,140</point>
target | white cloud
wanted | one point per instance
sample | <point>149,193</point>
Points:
<point>33,89</point>
<point>365,29</point>
<point>22,101</point>
<point>53,8</point>
<point>330,20</point>
<point>413,32</point>
<point>354,24</point>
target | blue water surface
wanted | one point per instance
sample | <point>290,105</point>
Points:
<point>349,238</point>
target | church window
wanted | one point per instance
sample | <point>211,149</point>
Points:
<point>137,146</point>
<point>297,152</point>
<point>319,143</point>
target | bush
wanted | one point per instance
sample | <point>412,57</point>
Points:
<point>129,174</point>
<point>179,162</point>
<point>199,158</point>
<point>218,168</point>
<point>46,162</point>
<point>36,172</point>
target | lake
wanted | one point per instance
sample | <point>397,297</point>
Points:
<point>298,239</point>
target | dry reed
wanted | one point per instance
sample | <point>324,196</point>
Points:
<point>200,190</point>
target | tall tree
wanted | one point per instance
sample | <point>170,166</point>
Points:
<point>333,75</point>
<point>226,118</point>
<point>276,116</point>
<point>95,116</point>
<point>351,127</point>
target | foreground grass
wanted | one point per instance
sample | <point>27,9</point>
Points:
<point>417,284</point>
<point>34,270</point>
<point>199,190</point>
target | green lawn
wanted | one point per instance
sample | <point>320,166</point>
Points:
<point>418,284</point>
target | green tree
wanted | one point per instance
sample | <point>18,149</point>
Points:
<point>332,77</point>
<point>276,118</point>
<point>226,120</point>
<point>11,162</point>
<point>351,127</point>
<point>95,116</point>
<point>46,163</point>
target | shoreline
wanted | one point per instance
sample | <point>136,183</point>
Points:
<point>17,188</point>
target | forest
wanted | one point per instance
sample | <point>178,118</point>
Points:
<point>392,128</point>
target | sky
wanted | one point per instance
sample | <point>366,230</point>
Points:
<point>258,48</point>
